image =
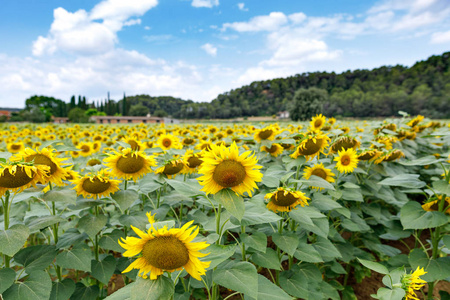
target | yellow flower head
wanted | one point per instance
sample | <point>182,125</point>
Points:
<point>96,185</point>
<point>412,282</point>
<point>285,200</point>
<point>274,150</point>
<point>169,141</point>
<point>320,171</point>
<point>167,250</point>
<point>172,168</point>
<point>311,146</point>
<point>347,160</point>
<point>223,167</point>
<point>317,122</point>
<point>192,160</point>
<point>19,176</point>
<point>130,164</point>
<point>267,133</point>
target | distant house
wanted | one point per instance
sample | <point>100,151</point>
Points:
<point>283,114</point>
<point>130,120</point>
<point>5,113</point>
<point>60,120</point>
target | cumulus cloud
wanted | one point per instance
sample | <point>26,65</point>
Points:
<point>94,32</point>
<point>440,37</point>
<point>205,3</point>
<point>271,22</point>
<point>242,7</point>
<point>209,49</point>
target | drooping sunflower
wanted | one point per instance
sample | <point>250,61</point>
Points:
<point>223,167</point>
<point>129,164</point>
<point>390,156</point>
<point>267,133</point>
<point>415,121</point>
<point>317,122</point>
<point>285,200</point>
<point>370,154</point>
<point>344,142</point>
<point>434,205</point>
<point>311,146</point>
<point>15,147</point>
<point>165,250</point>
<point>274,150</point>
<point>96,185</point>
<point>169,141</point>
<point>17,176</point>
<point>412,282</point>
<point>347,160</point>
<point>192,160</point>
<point>134,144</point>
<point>320,171</point>
<point>172,168</point>
<point>93,162</point>
<point>56,174</point>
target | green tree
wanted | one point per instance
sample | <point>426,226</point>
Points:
<point>77,115</point>
<point>138,110</point>
<point>34,115</point>
<point>307,103</point>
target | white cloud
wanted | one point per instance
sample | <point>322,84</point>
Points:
<point>209,49</point>
<point>242,7</point>
<point>205,3</point>
<point>81,33</point>
<point>271,22</point>
<point>162,38</point>
<point>147,28</point>
<point>440,37</point>
<point>297,18</point>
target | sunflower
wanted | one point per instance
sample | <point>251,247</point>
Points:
<point>320,171</point>
<point>96,185</point>
<point>130,164</point>
<point>267,133</point>
<point>187,141</point>
<point>415,121</point>
<point>274,150</point>
<point>347,160</point>
<point>317,122</point>
<point>165,250</point>
<point>17,176</point>
<point>172,168</point>
<point>434,205</point>
<point>93,162</point>
<point>134,144</point>
<point>86,148</point>
<point>168,141</point>
<point>223,167</point>
<point>390,156</point>
<point>204,145</point>
<point>412,282</point>
<point>192,160</point>
<point>369,155</point>
<point>285,199</point>
<point>15,147</point>
<point>311,146</point>
<point>47,157</point>
<point>344,142</point>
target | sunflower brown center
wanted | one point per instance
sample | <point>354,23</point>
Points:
<point>166,253</point>
<point>171,169</point>
<point>134,146</point>
<point>93,162</point>
<point>20,178</point>
<point>130,164</point>
<point>320,173</point>
<point>318,123</point>
<point>40,159</point>
<point>311,147</point>
<point>272,149</point>
<point>188,141</point>
<point>265,134</point>
<point>229,173</point>
<point>345,160</point>
<point>281,199</point>
<point>95,185</point>
<point>194,162</point>
<point>15,146</point>
<point>85,149</point>
<point>345,143</point>
<point>166,143</point>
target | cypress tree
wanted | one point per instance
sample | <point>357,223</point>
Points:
<point>124,105</point>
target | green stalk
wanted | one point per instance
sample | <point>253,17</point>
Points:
<point>244,256</point>
<point>218,223</point>
<point>277,272</point>
<point>6,208</point>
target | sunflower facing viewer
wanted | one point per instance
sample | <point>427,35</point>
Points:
<point>320,171</point>
<point>347,160</point>
<point>223,168</point>
<point>96,185</point>
<point>285,200</point>
<point>130,164</point>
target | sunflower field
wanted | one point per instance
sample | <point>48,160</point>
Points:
<point>226,211</point>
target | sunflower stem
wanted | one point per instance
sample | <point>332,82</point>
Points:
<point>244,256</point>
<point>6,210</point>
<point>219,209</point>
<point>181,212</point>
<point>126,184</point>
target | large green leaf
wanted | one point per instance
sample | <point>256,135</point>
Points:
<point>287,242</point>
<point>442,187</point>
<point>446,240</point>
<point>255,214</point>
<point>36,257</point>
<point>37,223</point>
<point>295,284</point>
<point>146,289</point>
<point>103,270</point>
<point>219,253</point>
<point>125,198</point>
<point>388,294</point>
<point>404,180</point>
<point>66,195</point>
<point>437,269</point>
<point>137,219</point>
<point>413,216</point>
<point>123,293</point>
<point>268,290</point>
<point>257,240</point>
<point>78,258</point>
<point>267,260</point>
<point>232,202</point>
<point>316,181</point>
<point>190,188</point>
<point>110,241</point>
<point>91,224</point>
<point>374,266</point>
<point>62,290</point>
<point>83,292</point>
<point>307,252</point>
<point>423,161</point>
<point>71,237</point>
<point>13,239</point>
<point>326,249</point>
<point>37,287</point>
<point>241,277</point>
<point>7,277</point>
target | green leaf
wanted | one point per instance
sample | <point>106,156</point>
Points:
<point>36,257</point>
<point>316,181</point>
<point>37,287</point>
<point>255,214</point>
<point>71,237</point>
<point>404,180</point>
<point>219,253</point>
<point>412,216</point>
<point>241,277</point>
<point>110,241</point>
<point>137,219</point>
<point>437,269</point>
<point>91,224</point>
<point>423,161</point>
<point>37,223</point>
<point>352,195</point>
<point>388,294</point>
<point>122,294</point>
<point>62,290</point>
<point>267,260</point>
<point>125,198</point>
<point>78,258</point>
<point>68,196</point>
<point>374,266</point>
<point>190,188</point>
<point>268,290</point>
<point>326,249</point>
<point>7,277</point>
<point>103,270</point>
<point>287,242</point>
<point>146,289</point>
<point>446,240</point>
<point>307,252</point>
<point>295,284</point>
<point>232,202</point>
<point>13,239</point>
<point>257,241</point>
<point>442,187</point>
<point>270,181</point>
<point>83,292</point>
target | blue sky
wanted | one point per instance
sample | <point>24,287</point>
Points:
<point>196,49</point>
